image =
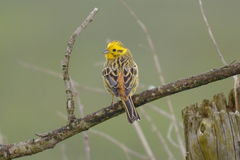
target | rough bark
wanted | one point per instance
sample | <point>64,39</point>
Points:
<point>212,129</point>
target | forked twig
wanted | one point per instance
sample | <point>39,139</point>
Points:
<point>66,61</point>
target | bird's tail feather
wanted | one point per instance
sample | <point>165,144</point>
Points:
<point>130,109</point>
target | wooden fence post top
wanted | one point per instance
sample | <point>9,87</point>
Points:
<point>212,129</point>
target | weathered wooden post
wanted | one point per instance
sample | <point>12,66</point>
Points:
<point>212,129</point>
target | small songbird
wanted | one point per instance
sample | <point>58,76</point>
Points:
<point>120,76</point>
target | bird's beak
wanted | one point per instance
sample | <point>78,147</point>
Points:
<point>105,51</point>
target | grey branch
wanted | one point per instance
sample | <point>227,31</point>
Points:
<point>50,139</point>
<point>66,61</point>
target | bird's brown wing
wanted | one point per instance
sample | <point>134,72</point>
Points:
<point>110,78</point>
<point>130,77</point>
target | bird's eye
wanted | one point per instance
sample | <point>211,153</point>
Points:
<point>114,50</point>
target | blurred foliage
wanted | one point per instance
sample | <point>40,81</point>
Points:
<point>36,32</point>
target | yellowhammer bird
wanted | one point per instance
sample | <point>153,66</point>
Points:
<point>120,76</point>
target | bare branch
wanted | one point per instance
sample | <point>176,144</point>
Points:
<point>66,60</point>
<point>39,144</point>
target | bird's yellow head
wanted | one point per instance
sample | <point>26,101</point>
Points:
<point>114,49</point>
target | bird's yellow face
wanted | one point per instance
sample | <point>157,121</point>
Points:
<point>114,49</point>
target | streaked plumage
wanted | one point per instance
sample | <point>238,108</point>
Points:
<point>120,76</point>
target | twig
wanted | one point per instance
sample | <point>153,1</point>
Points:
<point>59,75</point>
<point>1,138</point>
<point>127,155</point>
<point>159,135</point>
<point>63,152</point>
<point>211,33</point>
<point>149,40</point>
<point>235,78</point>
<point>169,137</point>
<point>92,89</point>
<point>144,141</point>
<point>160,74</point>
<point>160,111</point>
<point>35,145</point>
<point>62,115</point>
<point>118,143</point>
<point>85,134</point>
<point>66,60</point>
<point>176,127</point>
<point>86,146</point>
<point>40,69</point>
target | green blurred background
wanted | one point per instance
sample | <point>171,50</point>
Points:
<point>35,32</point>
